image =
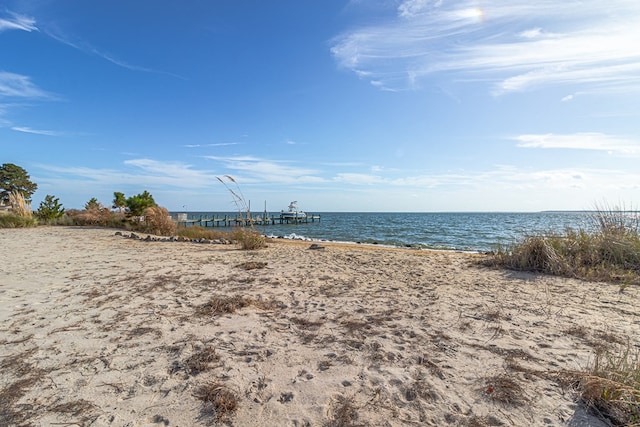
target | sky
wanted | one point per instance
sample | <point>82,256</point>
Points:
<point>360,105</point>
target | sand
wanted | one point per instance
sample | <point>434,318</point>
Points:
<point>102,330</point>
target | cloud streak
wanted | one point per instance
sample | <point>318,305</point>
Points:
<point>513,46</point>
<point>14,85</point>
<point>87,48</point>
<point>25,129</point>
<point>581,141</point>
<point>17,22</point>
<point>256,169</point>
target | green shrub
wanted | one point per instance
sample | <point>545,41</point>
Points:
<point>138,203</point>
<point>50,209</point>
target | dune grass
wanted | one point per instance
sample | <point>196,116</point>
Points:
<point>199,232</point>
<point>610,386</point>
<point>9,220</point>
<point>20,214</point>
<point>19,205</point>
<point>249,238</point>
<point>609,252</point>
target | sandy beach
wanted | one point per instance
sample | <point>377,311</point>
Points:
<point>103,330</point>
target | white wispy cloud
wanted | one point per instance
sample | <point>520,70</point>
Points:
<point>255,169</point>
<point>581,141</point>
<point>139,172</point>
<point>15,21</point>
<point>359,179</point>
<point>172,173</point>
<point>514,45</point>
<point>25,129</point>
<point>215,144</point>
<point>14,85</point>
<point>86,47</point>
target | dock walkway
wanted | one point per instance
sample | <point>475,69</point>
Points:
<point>231,221</point>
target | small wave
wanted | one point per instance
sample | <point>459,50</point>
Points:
<point>292,236</point>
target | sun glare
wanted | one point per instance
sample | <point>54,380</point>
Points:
<point>474,13</point>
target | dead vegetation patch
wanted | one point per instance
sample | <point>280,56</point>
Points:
<point>218,401</point>
<point>504,389</point>
<point>77,408</point>
<point>342,413</point>
<point>144,330</point>
<point>419,388</point>
<point>201,361</point>
<point>432,366</point>
<point>158,283</point>
<point>223,304</point>
<point>252,265</point>
<point>17,363</point>
<point>306,323</point>
<point>488,421</point>
<point>18,340</point>
<point>598,340</point>
<point>10,412</point>
<point>25,377</point>
<point>356,327</point>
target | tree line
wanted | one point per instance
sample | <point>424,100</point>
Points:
<point>15,180</point>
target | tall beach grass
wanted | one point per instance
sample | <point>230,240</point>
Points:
<point>610,386</point>
<point>609,251</point>
<point>20,214</point>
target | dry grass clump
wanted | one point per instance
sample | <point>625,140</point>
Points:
<point>97,216</point>
<point>611,385</point>
<point>610,253</point>
<point>19,206</point>
<point>201,360</point>
<point>199,232</point>
<point>158,221</point>
<point>14,221</point>
<point>222,304</point>
<point>74,408</point>
<point>343,413</point>
<point>218,400</point>
<point>249,239</point>
<point>20,215</point>
<point>252,265</point>
<point>504,389</point>
<point>24,376</point>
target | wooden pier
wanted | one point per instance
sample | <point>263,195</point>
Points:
<point>236,221</point>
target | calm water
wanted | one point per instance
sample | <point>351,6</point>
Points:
<point>452,231</point>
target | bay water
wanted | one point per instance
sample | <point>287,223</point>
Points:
<point>460,231</point>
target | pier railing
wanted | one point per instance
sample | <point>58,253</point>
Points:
<point>233,221</point>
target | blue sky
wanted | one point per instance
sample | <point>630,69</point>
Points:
<point>416,105</point>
